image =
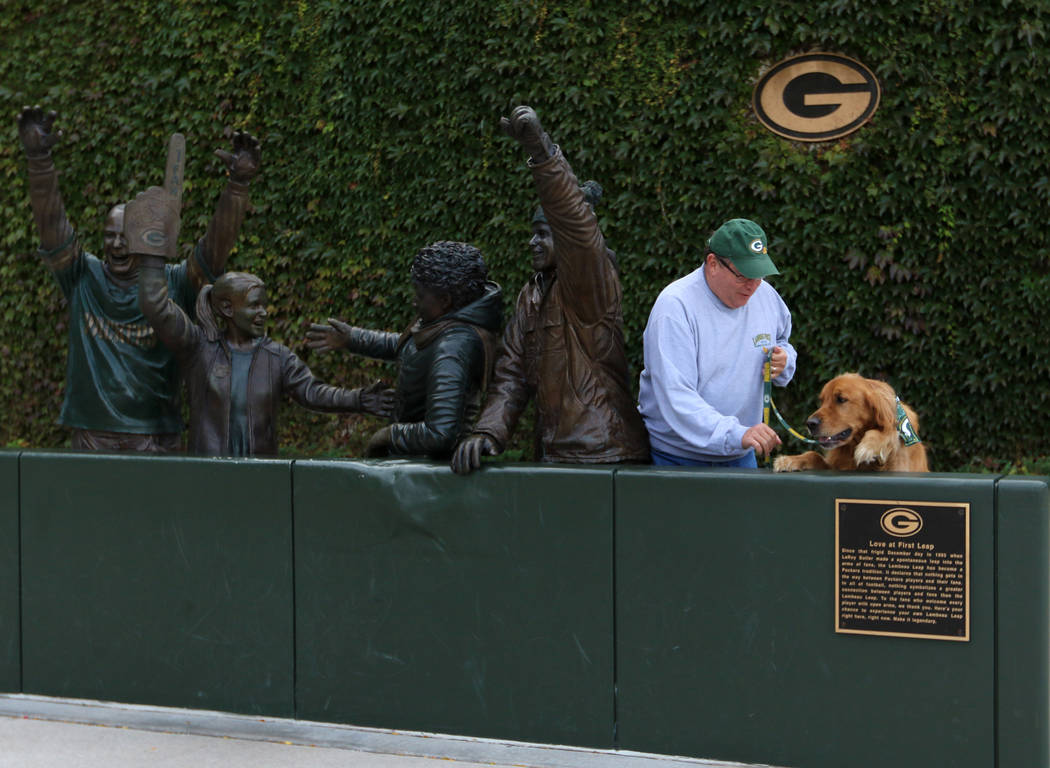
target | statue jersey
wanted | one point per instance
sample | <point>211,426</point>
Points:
<point>119,376</point>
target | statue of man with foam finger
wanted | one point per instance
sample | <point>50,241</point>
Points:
<point>122,385</point>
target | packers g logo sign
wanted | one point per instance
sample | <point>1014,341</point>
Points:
<point>901,522</point>
<point>816,97</point>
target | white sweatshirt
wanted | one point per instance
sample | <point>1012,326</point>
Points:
<point>702,384</point>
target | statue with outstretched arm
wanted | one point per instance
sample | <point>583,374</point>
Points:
<point>564,345</point>
<point>444,356</point>
<point>236,376</point>
<point>122,389</point>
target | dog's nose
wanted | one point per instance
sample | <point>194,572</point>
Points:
<point>813,424</point>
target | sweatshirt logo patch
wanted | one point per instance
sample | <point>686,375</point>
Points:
<point>762,340</point>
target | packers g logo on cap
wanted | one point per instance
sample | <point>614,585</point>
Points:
<point>758,246</point>
<point>816,97</point>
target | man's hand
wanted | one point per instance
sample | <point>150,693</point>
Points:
<point>762,438</point>
<point>777,362</point>
<point>467,457</point>
<point>35,131</point>
<point>380,444</point>
<point>151,223</point>
<point>243,163</point>
<point>325,338</point>
<point>524,127</point>
<point>379,400</point>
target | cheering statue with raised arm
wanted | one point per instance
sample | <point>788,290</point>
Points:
<point>122,388</point>
<point>235,375</point>
<point>564,345</point>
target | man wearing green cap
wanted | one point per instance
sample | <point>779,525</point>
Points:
<point>705,345</point>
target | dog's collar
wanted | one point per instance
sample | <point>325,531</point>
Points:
<point>904,427</point>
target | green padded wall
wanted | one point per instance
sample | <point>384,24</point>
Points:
<point>485,605</point>
<point>476,605</point>
<point>10,623</point>
<point>1023,622</point>
<point>725,628</point>
<point>158,580</point>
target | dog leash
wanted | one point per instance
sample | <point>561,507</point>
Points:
<point>768,404</point>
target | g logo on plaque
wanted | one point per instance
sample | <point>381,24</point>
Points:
<point>901,522</point>
<point>816,97</point>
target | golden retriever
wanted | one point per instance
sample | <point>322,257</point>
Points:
<point>856,426</point>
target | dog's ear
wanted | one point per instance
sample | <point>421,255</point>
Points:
<point>883,403</point>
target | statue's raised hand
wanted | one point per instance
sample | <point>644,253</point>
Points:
<point>325,338</point>
<point>35,130</point>
<point>244,161</point>
<point>524,127</point>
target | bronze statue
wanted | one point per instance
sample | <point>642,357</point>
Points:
<point>444,355</point>
<point>122,389</point>
<point>564,346</point>
<point>235,375</point>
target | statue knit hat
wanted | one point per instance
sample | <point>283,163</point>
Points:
<point>592,194</point>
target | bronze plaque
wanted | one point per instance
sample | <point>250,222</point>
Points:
<point>816,97</point>
<point>902,568</point>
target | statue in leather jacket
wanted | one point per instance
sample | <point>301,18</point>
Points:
<point>564,346</point>
<point>444,356</point>
<point>234,374</point>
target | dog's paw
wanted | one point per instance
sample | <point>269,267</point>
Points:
<point>868,452</point>
<point>787,464</point>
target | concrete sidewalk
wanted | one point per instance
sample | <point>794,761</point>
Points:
<point>42,732</point>
<point>48,744</point>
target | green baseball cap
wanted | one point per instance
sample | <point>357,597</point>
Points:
<point>743,242</point>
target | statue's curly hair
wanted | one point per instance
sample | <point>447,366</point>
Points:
<point>457,269</point>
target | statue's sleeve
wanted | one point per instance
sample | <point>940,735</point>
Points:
<point>509,390</point>
<point>382,345</point>
<point>171,324</point>
<point>310,392</point>
<point>586,273</point>
<point>456,365</point>
<point>212,251</point>
<point>59,248</point>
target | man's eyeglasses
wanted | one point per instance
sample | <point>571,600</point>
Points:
<point>739,277</point>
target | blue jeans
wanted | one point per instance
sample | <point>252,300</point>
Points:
<point>748,461</point>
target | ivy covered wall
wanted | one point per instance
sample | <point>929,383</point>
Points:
<point>915,249</point>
